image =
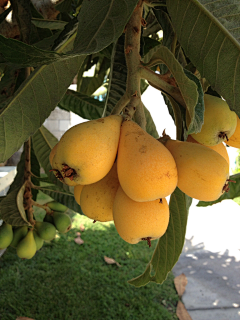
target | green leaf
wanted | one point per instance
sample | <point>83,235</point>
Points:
<point>84,106</point>
<point>150,126</point>
<point>43,142</point>
<point>33,102</point>
<point>22,12</point>
<point>209,34</point>
<point>186,86</point>
<point>196,114</point>
<point>90,84</point>
<point>64,6</point>
<point>118,76</point>
<point>12,210</point>
<point>64,197</point>
<point>101,23</point>
<point>234,192</point>
<point>169,246</point>
<point>49,24</point>
<point>24,55</point>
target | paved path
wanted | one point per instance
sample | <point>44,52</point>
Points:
<point>211,262</point>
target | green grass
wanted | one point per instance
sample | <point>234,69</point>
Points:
<point>67,281</point>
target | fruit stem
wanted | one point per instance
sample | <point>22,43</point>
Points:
<point>28,183</point>
<point>133,58</point>
<point>45,207</point>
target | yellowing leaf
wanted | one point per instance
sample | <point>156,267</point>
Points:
<point>180,284</point>
<point>111,261</point>
<point>182,312</point>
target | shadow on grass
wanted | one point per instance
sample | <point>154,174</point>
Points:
<point>67,281</point>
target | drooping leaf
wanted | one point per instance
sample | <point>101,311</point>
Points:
<point>43,142</point>
<point>186,86</point>
<point>101,23</point>
<point>90,84</point>
<point>12,210</point>
<point>49,24</point>
<point>169,246</point>
<point>196,114</point>
<point>64,197</point>
<point>84,106</point>
<point>64,6</point>
<point>33,102</point>
<point>234,192</point>
<point>209,33</point>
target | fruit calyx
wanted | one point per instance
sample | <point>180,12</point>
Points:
<point>148,239</point>
<point>222,135</point>
<point>164,138</point>
<point>57,174</point>
<point>226,187</point>
<point>68,172</point>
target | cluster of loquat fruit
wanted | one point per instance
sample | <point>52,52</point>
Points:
<point>27,241</point>
<point>121,173</point>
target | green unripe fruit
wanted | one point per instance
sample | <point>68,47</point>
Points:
<point>56,206</point>
<point>18,235</point>
<point>45,230</point>
<point>6,235</point>
<point>62,221</point>
<point>39,241</point>
<point>48,218</point>
<point>27,248</point>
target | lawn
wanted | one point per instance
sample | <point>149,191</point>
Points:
<point>65,280</point>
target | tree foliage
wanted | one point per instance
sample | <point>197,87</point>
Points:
<point>194,44</point>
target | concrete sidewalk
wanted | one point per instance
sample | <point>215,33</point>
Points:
<point>211,262</point>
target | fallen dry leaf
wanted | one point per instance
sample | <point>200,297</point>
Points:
<point>78,234</point>
<point>182,312</point>
<point>111,261</point>
<point>79,240</point>
<point>81,227</point>
<point>24,318</point>
<point>180,284</point>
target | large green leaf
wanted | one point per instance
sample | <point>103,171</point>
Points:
<point>209,32</point>
<point>22,13</point>
<point>234,192</point>
<point>12,210</point>
<point>86,107</point>
<point>101,23</point>
<point>169,246</point>
<point>33,102</point>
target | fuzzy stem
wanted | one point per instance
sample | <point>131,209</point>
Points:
<point>133,58</point>
<point>121,104</point>
<point>159,82</point>
<point>46,208</point>
<point>27,179</point>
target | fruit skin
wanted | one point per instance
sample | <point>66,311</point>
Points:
<point>56,206</point>
<point>219,148</point>
<point>18,235</point>
<point>27,248</point>
<point>136,220</point>
<point>97,198</point>
<point>218,118</point>
<point>6,235</point>
<point>52,153</point>
<point>202,172</point>
<point>146,169</point>
<point>89,149</point>
<point>77,193</point>
<point>39,241</point>
<point>234,140</point>
<point>62,221</point>
<point>45,230</point>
